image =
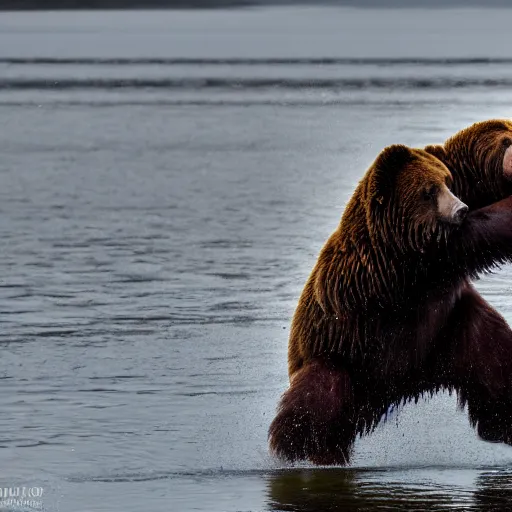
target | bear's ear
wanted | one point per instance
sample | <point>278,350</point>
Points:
<point>386,168</point>
<point>437,150</point>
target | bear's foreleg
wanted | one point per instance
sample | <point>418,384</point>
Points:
<point>481,362</point>
<point>315,419</point>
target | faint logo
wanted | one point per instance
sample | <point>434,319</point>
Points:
<point>21,497</point>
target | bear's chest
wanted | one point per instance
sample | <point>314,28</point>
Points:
<point>404,341</point>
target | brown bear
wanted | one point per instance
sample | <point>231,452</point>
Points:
<point>388,313</point>
<point>480,160</point>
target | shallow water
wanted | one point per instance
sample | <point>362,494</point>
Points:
<point>154,243</point>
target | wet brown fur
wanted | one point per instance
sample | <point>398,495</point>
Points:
<point>382,318</point>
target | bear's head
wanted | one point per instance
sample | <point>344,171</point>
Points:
<point>480,160</point>
<point>399,212</point>
<point>408,197</point>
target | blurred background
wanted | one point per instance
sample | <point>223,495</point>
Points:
<point>167,179</point>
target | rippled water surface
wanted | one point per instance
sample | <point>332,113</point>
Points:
<point>158,221</point>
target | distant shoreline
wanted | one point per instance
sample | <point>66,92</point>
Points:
<point>111,5</point>
<point>127,6</point>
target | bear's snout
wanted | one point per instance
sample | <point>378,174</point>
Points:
<point>460,213</point>
<point>450,208</point>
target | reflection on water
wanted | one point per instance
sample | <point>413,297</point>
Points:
<point>494,491</point>
<point>313,490</point>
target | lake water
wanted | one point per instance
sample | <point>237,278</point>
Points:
<point>159,217</point>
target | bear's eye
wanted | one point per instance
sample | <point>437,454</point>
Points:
<point>506,142</point>
<point>429,194</point>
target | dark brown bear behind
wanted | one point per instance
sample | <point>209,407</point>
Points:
<point>474,156</point>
